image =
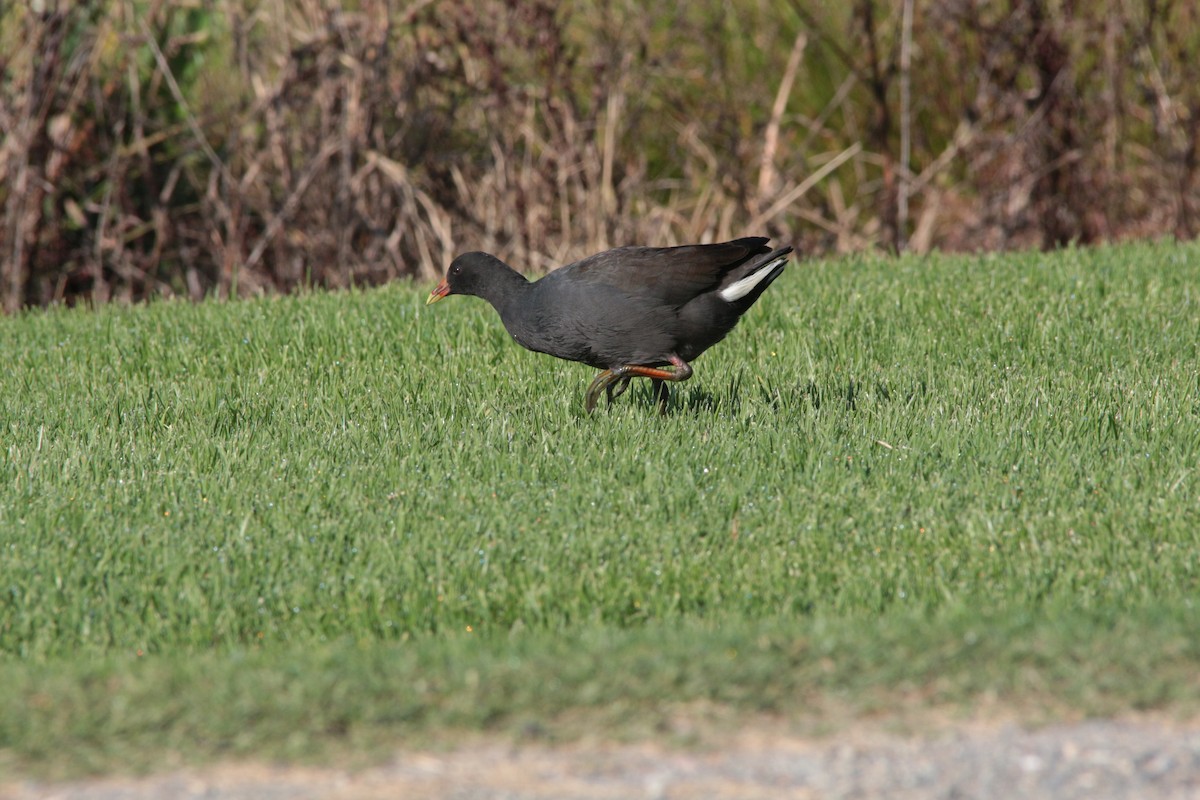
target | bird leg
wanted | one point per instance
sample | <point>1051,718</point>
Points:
<point>661,393</point>
<point>620,376</point>
<point>658,391</point>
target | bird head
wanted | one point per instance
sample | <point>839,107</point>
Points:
<point>466,275</point>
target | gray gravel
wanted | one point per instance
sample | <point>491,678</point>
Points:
<point>1094,760</point>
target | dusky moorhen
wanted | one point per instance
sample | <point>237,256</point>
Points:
<point>629,311</point>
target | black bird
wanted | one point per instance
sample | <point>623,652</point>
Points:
<point>630,311</point>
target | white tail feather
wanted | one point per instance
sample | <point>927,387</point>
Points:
<point>739,289</point>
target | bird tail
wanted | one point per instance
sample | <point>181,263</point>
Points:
<point>750,281</point>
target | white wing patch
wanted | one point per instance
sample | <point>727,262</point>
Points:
<point>739,289</point>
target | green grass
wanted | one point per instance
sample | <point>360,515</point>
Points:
<point>290,525</point>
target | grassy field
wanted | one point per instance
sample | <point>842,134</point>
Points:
<point>334,522</point>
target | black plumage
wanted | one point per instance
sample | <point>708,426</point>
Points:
<point>629,311</point>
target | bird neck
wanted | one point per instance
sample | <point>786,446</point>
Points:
<point>503,287</point>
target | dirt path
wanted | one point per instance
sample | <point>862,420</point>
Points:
<point>1098,759</point>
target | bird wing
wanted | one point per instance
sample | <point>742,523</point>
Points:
<point>670,275</point>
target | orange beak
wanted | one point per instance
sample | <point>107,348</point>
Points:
<point>439,291</point>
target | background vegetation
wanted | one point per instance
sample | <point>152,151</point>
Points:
<point>297,524</point>
<point>222,147</point>
<point>289,524</point>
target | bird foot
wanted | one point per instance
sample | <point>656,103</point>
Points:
<point>615,381</point>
